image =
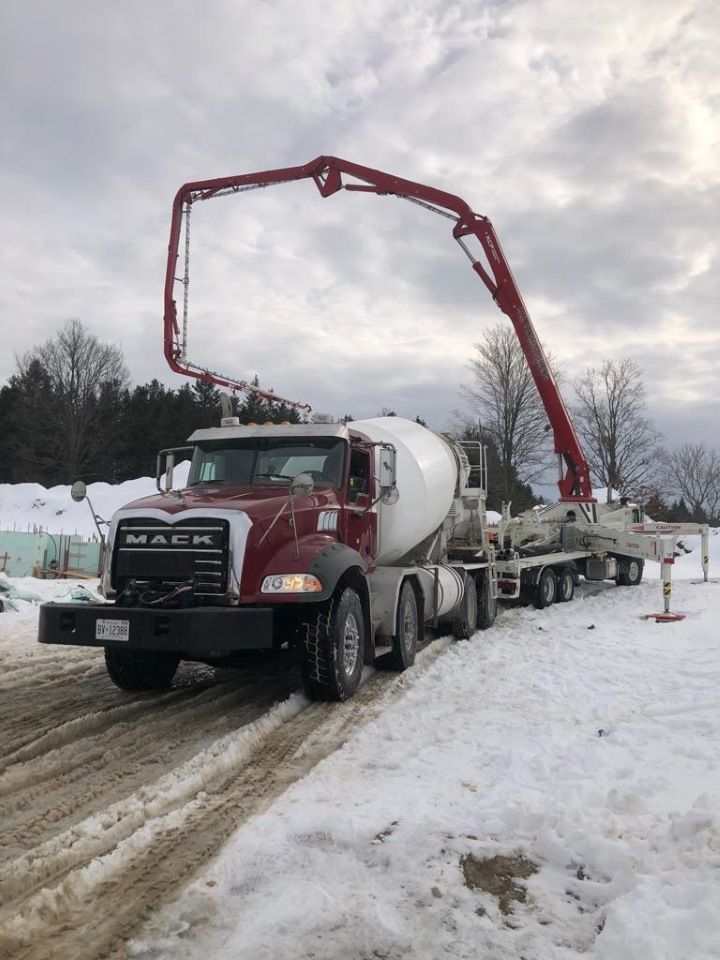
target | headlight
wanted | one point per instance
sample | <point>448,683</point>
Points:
<point>291,583</point>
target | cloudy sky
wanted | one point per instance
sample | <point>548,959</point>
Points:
<point>587,131</point>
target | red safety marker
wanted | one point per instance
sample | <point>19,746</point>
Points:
<point>663,617</point>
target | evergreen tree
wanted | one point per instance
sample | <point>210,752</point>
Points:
<point>656,508</point>
<point>679,513</point>
<point>255,409</point>
<point>9,416</point>
<point>146,418</point>
<point>206,397</point>
<point>30,440</point>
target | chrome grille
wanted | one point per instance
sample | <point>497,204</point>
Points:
<point>150,550</point>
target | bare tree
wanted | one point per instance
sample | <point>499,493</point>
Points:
<point>81,379</point>
<point>505,398</point>
<point>620,441</point>
<point>694,473</point>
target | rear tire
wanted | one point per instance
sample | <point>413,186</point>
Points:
<point>333,648</point>
<point>487,602</point>
<point>546,590</point>
<point>407,632</point>
<point>465,624</point>
<point>630,573</point>
<point>565,586</point>
<point>140,669</point>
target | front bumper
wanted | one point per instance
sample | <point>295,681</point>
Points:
<point>190,632</point>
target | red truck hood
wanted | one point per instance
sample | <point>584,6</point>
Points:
<point>258,503</point>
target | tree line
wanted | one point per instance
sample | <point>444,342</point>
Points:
<point>625,451</point>
<point>69,412</point>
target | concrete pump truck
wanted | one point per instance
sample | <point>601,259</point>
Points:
<point>344,541</point>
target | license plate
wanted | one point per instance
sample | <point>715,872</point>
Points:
<point>112,629</point>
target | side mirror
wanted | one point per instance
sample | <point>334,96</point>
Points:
<point>165,465</point>
<point>302,485</point>
<point>387,477</point>
<point>78,491</point>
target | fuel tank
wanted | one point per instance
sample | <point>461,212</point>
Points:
<point>427,473</point>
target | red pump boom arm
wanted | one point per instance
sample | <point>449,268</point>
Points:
<point>327,173</point>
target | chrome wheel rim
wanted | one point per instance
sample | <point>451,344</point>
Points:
<point>548,591</point>
<point>351,645</point>
<point>633,569</point>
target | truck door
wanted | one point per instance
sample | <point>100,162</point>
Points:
<point>360,522</point>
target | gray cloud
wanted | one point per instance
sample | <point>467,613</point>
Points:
<point>586,132</point>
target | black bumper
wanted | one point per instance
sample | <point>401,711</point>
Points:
<point>192,632</point>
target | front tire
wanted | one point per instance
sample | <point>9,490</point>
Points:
<point>333,648</point>
<point>140,669</point>
<point>407,632</point>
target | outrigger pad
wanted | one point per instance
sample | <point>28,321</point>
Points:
<point>663,617</point>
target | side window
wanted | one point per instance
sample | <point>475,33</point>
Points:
<point>360,476</point>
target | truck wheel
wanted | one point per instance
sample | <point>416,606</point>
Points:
<point>629,573</point>
<point>333,650</point>
<point>487,603</point>
<point>465,624</point>
<point>546,590</point>
<point>565,586</point>
<point>140,669</point>
<point>407,633</point>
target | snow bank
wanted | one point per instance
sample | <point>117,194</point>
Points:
<point>582,737</point>
<point>30,506</point>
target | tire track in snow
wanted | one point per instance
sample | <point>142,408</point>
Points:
<point>106,874</point>
<point>90,761</point>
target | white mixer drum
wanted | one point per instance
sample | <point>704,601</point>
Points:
<point>426,480</point>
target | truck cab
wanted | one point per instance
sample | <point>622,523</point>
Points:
<point>260,507</point>
<point>273,522</point>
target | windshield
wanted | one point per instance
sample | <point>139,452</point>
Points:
<point>268,460</point>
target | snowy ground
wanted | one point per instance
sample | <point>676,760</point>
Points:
<point>581,738</point>
<point>580,743</point>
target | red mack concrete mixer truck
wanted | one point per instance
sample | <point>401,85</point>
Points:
<point>342,540</point>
